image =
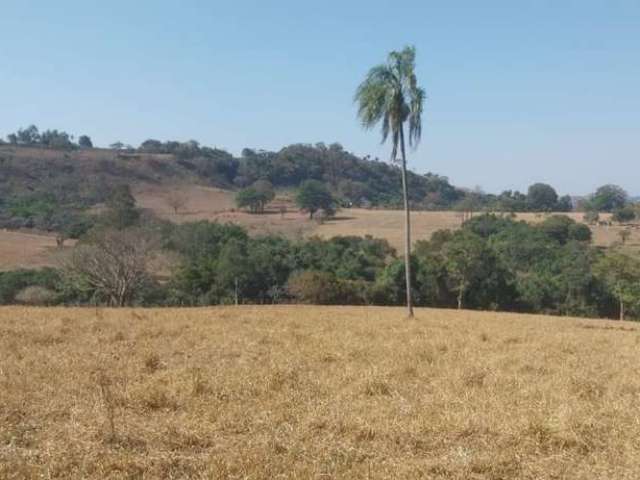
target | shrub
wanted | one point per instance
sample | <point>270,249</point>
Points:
<point>579,232</point>
<point>624,214</point>
<point>36,296</point>
<point>322,288</point>
<point>557,227</point>
<point>14,282</point>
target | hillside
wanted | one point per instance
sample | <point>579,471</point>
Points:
<point>310,392</point>
<point>83,175</point>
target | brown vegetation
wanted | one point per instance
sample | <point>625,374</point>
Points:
<point>308,392</point>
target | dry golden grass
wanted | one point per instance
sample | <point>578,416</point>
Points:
<point>310,392</point>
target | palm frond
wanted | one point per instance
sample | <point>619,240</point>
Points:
<point>417,97</point>
<point>390,95</point>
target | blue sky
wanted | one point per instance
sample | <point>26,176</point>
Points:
<point>519,92</point>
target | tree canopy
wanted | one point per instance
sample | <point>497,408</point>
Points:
<point>313,196</point>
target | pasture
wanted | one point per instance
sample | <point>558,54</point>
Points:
<point>311,392</point>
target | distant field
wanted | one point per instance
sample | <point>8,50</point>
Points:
<point>311,392</point>
<point>213,204</point>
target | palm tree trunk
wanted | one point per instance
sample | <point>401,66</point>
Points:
<point>407,225</point>
<point>621,310</point>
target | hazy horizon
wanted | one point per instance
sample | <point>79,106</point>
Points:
<point>518,93</point>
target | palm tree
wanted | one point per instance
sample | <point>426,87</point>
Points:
<point>390,95</point>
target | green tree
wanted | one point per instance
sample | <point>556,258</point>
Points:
<point>621,274</point>
<point>313,196</point>
<point>390,96</point>
<point>579,232</point>
<point>465,257</point>
<point>542,198</point>
<point>608,198</point>
<point>564,204</point>
<point>249,197</point>
<point>85,141</point>
<point>558,227</point>
<point>256,197</point>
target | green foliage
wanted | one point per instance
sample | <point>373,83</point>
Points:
<point>32,206</point>
<point>84,141</point>
<point>621,274</point>
<point>542,198</point>
<point>322,288</point>
<point>121,211</point>
<point>390,96</point>
<point>313,196</point>
<point>557,227</point>
<point>256,197</point>
<point>608,198</point>
<point>31,136</point>
<point>579,232</point>
<point>509,265</point>
<point>348,258</point>
<point>466,261</point>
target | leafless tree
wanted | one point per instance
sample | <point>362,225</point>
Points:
<point>177,200</point>
<point>113,265</point>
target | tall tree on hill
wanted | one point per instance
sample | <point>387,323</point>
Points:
<point>390,96</point>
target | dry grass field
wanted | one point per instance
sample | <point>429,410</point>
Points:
<point>206,203</point>
<point>309,392</point>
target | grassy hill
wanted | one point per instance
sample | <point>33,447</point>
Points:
<point>310,392</point>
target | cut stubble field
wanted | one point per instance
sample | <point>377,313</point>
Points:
<point>316,392</point>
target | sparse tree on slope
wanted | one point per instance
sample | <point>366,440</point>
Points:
<point>390,96</point>
<point>177,200</point>
<point>313,196</point>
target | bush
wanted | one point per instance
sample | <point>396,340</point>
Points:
<point>624,214</point>
<point>557,227</point>
<point>36,296</point>
<point>579,232</point>
<point>322,288</point>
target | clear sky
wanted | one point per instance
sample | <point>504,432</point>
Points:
<point>519,91</point>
